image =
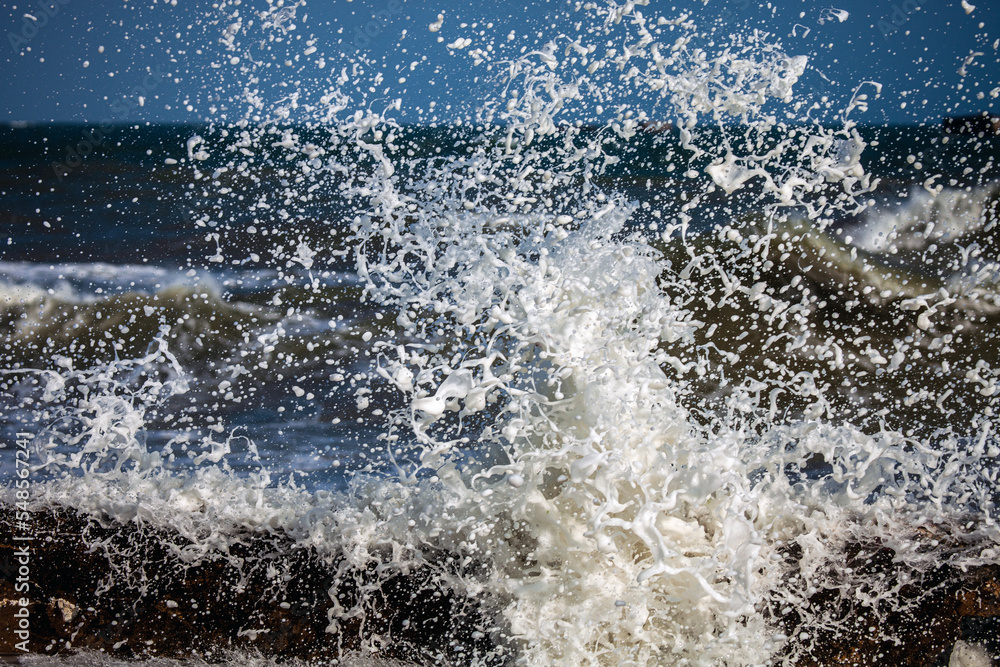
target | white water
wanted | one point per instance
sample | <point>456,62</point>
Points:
<point>546,353</point>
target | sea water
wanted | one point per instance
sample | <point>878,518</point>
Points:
<point>624,366</point>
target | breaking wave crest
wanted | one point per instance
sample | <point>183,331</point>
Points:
<point>649,437</point>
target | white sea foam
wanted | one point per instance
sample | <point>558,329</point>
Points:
<point>547,355</point>
<point>947,215</point>
<point>87,281</point>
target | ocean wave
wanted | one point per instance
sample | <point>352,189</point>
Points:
<point>641,442</point>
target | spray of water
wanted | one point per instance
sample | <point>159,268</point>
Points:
<point>631,476</point>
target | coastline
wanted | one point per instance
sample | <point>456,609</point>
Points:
<point>118,592</point>
<point>125,591</point>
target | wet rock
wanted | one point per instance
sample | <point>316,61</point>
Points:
<point>902,617</point>
<point>969,655</point>
<point>120,590</point>
<point>61,614</point>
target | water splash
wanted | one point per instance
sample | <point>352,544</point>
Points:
<point>626,420</point>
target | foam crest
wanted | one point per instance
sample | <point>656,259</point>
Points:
<point>567,390</point>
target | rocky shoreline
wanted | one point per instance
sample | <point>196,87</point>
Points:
<point>129,596</point>
<point>118,590</point>
<point>928,617</point>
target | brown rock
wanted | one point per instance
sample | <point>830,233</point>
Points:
<point>917,624</point>
<point>119,589</point>
<point>61,614</point>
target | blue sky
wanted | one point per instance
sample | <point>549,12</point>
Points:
<point>91,61</point>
